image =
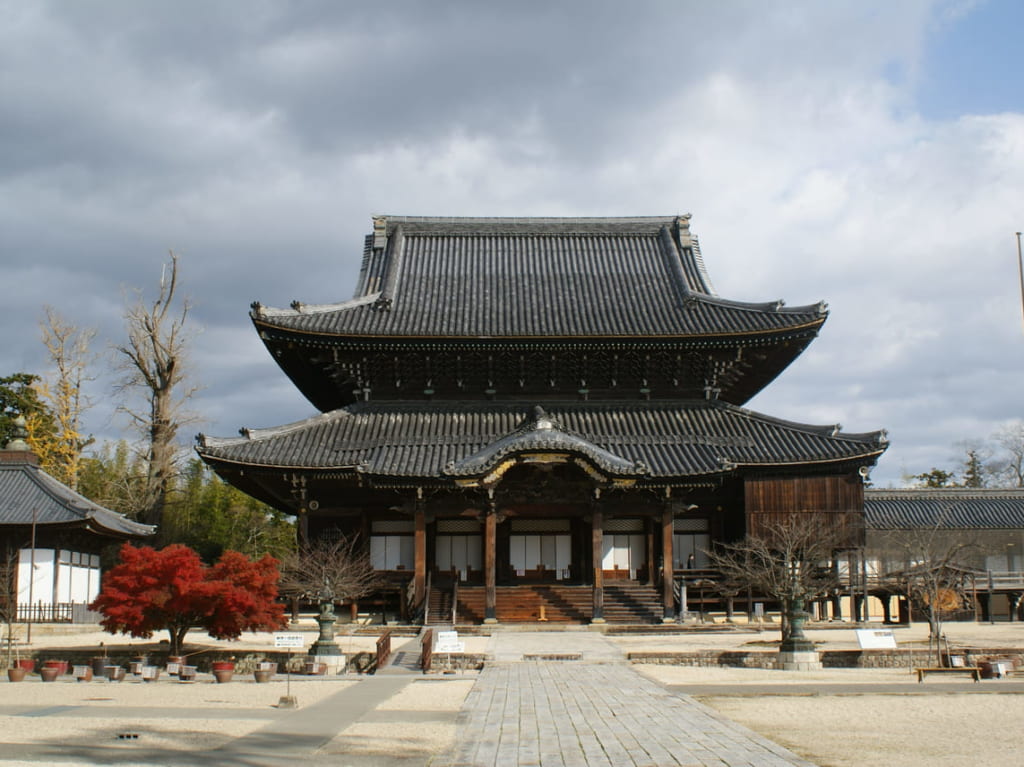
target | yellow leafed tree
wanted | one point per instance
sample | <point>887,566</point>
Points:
<point>60,447</point>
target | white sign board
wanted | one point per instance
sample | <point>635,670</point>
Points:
<point>876,639</point>
<point>289,640</point>
<point>448,641</point>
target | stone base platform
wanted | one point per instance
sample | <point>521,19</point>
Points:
<point>799,660</point>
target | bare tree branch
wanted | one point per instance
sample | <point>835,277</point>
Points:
<point>933,567</point>
<point>335,570</point>
<point>787,561</point>
<point>154,364</point>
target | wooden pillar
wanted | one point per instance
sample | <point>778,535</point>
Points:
<point>668,576</point>
<point>490,558</point>
<point>652,558</point>
<point>597,547</point>
<point>420,554</point>
<point>986,606</point>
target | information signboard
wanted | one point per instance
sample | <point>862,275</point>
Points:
<point>876,639</point>
<point>448,642</point>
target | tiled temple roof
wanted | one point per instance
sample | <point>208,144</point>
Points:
<point>944,508</point>
<point>440,439</point>
<point>25,488</point>
<point>536,278</point>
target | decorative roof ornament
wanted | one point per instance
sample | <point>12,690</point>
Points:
<point>19,436</point>
<point>540,438</point>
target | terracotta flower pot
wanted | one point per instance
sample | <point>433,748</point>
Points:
<point>223,665</point>
<point>223,675</point>
<point>49,674</point>
<point>16,674</point>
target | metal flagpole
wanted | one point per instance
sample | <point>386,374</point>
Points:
<point>1020,271</point>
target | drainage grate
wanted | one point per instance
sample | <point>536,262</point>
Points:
<point>554,656</point>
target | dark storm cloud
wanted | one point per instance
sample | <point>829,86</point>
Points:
<point>256,139</point>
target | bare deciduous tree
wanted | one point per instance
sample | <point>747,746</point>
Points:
<point>1010,438</point>
<point>787,561</point>
<point>329,570</point>
<point>933,568</point>
<point>154,364</point>
<point>8,598</point>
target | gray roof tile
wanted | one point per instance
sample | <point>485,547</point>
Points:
<point>945,508</point>
<point>669,439</point>
<point>25,488</point>
<point>538,278</point>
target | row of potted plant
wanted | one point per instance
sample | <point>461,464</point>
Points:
<point>101,667</point>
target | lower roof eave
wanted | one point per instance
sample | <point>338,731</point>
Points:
<point>848,461</point>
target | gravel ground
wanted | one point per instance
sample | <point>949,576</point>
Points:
<point>924,726</point>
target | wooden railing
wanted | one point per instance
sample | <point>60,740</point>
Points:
<point>42,612</point>
<point>427,650</point>
<point>455,602</point>
<point>1002,579</point>
<point>383,650</point>
<point>426,597</point>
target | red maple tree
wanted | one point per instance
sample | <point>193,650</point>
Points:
<point>171,589</point>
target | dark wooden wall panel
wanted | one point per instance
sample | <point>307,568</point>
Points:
<point>771,501</point>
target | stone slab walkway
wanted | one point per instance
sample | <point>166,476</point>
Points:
<point>592,712</point>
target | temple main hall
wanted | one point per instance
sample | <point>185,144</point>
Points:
<point>540,418</point>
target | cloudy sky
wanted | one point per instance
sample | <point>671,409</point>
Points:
<point>870,154</point>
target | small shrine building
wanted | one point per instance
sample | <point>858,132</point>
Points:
<point>541,414</point>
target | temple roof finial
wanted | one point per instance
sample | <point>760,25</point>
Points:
<point>19,435</point>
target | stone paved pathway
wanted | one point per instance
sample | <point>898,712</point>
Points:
<point>599,713</point>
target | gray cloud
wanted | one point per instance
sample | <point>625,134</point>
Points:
<point>257,138</point>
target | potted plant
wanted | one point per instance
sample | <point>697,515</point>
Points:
<point>15,670</point>
<point>82,673</point>
<point>16,673</point>
<point>314,667</point>
<point>265,671</point>
<point>61,666</point>
<point>114,673</point>
<point>136,665</point>
<point>187,674</point>
<point>99,663</point>
<point>223,670</point>
<point>49,673</point>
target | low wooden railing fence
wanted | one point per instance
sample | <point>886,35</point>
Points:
<point>383,650</point>
<point>427,650</point>
<point>61,612</point>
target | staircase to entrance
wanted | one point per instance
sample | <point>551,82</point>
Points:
<point>624,602</point>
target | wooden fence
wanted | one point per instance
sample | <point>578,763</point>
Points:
<point>61,612</point>
<point>383,650</point>
<point>427,650</point>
